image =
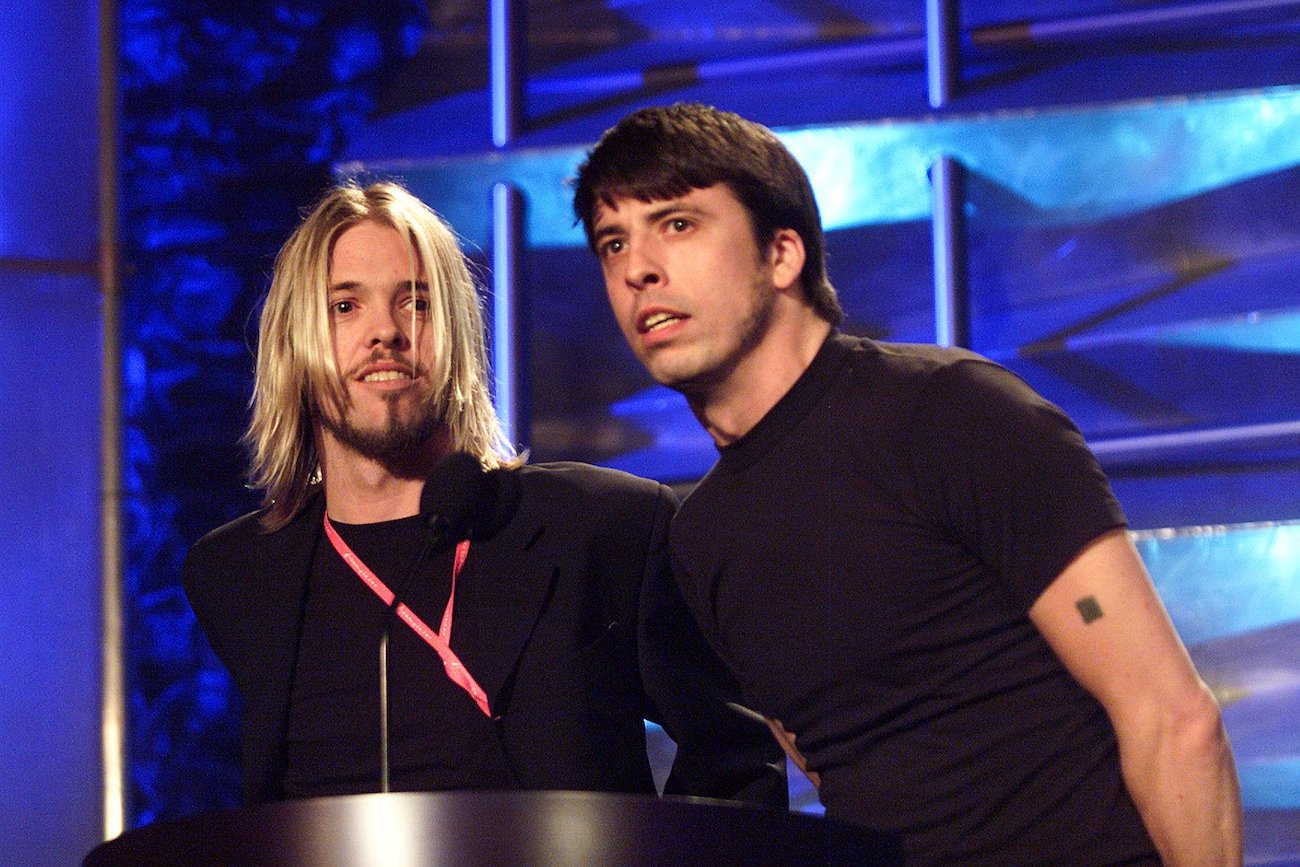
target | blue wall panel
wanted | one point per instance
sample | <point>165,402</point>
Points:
<point>47,129</point>
<point>49,566</point>
<point>50,781</point>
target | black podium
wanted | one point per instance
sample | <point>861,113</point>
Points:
<point>494,828</point>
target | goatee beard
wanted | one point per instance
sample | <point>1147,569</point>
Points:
<point>397,441</point>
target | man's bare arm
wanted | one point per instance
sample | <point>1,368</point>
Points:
<point>1104,620</point>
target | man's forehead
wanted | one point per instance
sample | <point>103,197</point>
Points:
<point>359,249</point>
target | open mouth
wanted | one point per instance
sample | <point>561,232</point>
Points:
<point>385,370</point>
<point>659,320</point>
<point>385,376</point>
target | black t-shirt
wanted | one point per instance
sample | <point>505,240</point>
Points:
<point>438,737</point>
<point>865,558</point>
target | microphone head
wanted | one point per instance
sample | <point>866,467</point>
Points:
<point>456,495</point>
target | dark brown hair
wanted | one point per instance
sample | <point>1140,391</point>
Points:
<point>666,151</point>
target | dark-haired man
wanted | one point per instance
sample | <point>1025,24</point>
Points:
<point>911,561</point>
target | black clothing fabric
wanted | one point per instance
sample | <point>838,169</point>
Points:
<point>438,737</point>
<point>568,618</point>
<point>864,559</point>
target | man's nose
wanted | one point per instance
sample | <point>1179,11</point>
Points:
<point>386,328</point>
<point>643,266</point>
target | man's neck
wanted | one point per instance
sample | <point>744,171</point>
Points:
<point>360,490</point>
<point>730,409</point>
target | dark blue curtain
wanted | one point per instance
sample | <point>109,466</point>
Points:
<point>231,115</point>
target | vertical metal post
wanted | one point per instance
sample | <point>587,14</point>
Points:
<point>952,318</point>
<point>507,40</point>
<point>509,313</point>
<point>942,50</point>
<point>113,720</point>
<point>947,182</point>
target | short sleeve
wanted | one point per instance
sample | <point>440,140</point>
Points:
<point>1009,474</point>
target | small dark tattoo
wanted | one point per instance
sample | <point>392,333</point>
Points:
<point>1089,609</point>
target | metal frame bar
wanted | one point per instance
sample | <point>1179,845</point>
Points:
<point>113,715</point>
<point>893,50</point>
<point>1126,23</point>
<point>942,50</point>
<point>507,40</point>
<point>36,265</point>
<point>509,313</point>
<point>952,307</point>
<point>1180,444</point>
<point>952,314</point>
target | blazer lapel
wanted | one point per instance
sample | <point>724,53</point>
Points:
<point>507,584</point>
<point>503,591</point>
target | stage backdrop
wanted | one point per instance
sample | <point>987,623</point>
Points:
<point>49,434</point>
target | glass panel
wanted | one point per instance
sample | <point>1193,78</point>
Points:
<point>1234,596</point>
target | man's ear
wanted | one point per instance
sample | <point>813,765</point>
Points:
<point>785,256</point>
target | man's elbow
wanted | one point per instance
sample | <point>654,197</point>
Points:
<point>1194,724</point>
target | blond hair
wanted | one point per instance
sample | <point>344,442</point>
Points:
<point>297,373</point>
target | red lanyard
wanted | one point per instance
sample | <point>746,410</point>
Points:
<point>440,641</point>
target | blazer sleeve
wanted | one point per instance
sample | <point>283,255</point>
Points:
<point>724,750</point>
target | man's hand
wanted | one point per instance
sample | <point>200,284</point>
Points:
<point>786,740</point>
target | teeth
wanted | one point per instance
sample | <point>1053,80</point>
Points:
<point>385,376</point>
<point>659,320</point>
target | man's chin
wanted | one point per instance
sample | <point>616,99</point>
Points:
<point>394,443</point>
<point>688,380</point>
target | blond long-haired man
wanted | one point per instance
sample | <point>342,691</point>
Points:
<point>556,627</point>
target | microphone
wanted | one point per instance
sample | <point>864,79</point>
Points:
<point>456,498</point>
<point>460,500</point>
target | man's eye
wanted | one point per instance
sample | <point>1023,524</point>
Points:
<point>609,248</point>
<point>342,307</point>
<point>421,305</point>
<point>679,224</point>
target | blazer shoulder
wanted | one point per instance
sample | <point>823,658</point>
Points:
<point>237,530</point>
<point>233,534</point>
<point>243,542</point>
<point>596,482</point>
<point>247,529</point>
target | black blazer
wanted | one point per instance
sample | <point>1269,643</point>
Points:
<point>568,618</point>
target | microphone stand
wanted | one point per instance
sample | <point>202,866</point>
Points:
<point>453,505</point>
<point>383,704</point>
<point>390,616</point>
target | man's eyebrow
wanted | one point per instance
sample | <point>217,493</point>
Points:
<point>675,206</point>
<point>353,285</point>
<point>604,231</point>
